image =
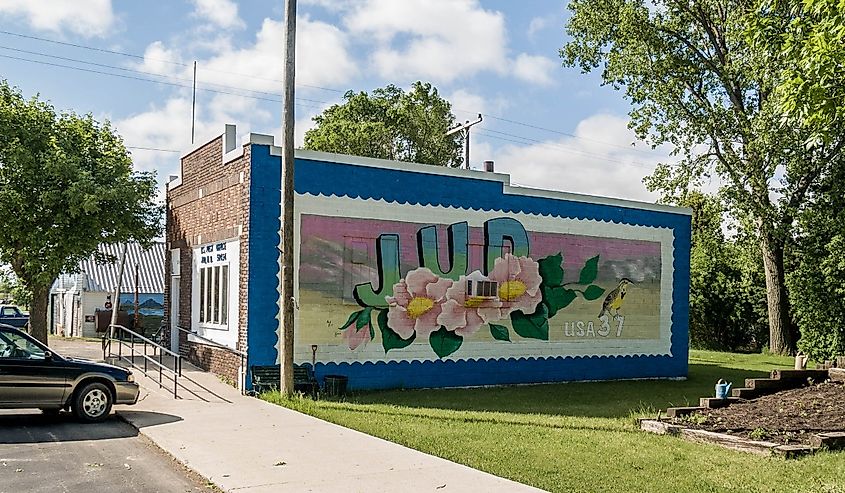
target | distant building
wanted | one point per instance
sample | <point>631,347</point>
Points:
<point>76,298</point>
<point>409,275</point>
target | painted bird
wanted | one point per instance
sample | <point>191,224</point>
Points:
<point>613,300</point>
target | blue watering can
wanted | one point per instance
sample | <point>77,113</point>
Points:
<point>722,389</point>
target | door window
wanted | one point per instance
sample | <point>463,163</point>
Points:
<point>10,311</point>
<point>18,347</point>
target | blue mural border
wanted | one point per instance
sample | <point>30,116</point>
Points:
<point>404,187</point>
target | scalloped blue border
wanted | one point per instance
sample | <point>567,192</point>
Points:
<point>396,185</point>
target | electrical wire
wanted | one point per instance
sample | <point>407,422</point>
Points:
<point>143,57</point>
<point>229,90</point>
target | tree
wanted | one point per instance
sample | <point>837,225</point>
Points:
<point>697,83</point>
<point>390,124</point>
<point>66,186</point>
<point>816,285</point>
<point>725,309</point>
<point>807,42</point>
<point>10,285</point>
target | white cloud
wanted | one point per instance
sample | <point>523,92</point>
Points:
<point>538,24</point>
<point>599,161</point>
<point>221,13</point>
<point>438,40</point>
<point>465,102</point>
<point>536,69</point>
<point>322,59</point>
<point>84,17</point>
<point>159,59</point>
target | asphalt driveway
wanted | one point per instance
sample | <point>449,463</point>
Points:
<point>57,454</point>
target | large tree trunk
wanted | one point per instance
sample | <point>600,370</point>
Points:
<point>780,340</point>
<point>38,313</point>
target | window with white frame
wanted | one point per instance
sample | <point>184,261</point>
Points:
<point>213,277</point>
<point>214,294</point>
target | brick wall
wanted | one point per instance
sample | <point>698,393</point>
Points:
<point>211,204</point>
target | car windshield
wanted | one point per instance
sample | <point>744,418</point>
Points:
<point>13,345</point>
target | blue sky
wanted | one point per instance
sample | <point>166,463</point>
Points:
<point>546,125</point>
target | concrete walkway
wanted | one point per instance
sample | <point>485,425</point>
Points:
<point>245,444</point>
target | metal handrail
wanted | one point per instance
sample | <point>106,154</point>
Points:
<point>120,330</point>
<point>208,342</point>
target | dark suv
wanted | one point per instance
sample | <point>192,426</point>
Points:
<point>33,376</point>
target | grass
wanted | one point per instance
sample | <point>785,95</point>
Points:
<point>581,436</point>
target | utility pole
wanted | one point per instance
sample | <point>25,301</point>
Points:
<point>464,130</point>
<point>286,299</point>
<point>194,103</point>
<point>135,319</point>
<point>115,305</point>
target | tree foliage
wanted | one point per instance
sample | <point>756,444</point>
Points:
<point>66,186</point>
<point>727,306</point>
<point>390,124</point>
<point>805,40</point>
<point>697,83</point>
<point>816,286</point>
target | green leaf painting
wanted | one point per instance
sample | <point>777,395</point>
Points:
<point>353,317</point>
<point>557,298</point>
<point>534,326</point>
<point>593,292</point>
<point>444,342</point>
<point>364,318</point>
<point>589,271</point>
<point>551,270</point>
<point>500,332</point>
<point>389,339</point>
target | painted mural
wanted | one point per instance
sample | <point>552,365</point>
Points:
<point>488,286</point>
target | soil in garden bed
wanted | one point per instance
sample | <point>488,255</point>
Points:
<point>788,417</point>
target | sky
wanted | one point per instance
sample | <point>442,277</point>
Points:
<point>129,62</point>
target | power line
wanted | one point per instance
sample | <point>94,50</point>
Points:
<point>568,150</point>
<point>174,62</point>
<point>156,81</point>
<point>151,74</point>
<point>579,151</point>
<point>143,57</point>
<point>227,90</point>
<point>140,148</point>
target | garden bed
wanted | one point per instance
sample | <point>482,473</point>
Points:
<point>789,417</point>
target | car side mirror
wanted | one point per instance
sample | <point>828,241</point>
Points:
<point>48,355</point>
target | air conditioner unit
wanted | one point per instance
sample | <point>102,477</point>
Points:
<point>482,289</point>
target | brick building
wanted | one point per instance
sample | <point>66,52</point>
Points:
<point>420,276</point>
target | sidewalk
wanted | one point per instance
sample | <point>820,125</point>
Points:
<point>253,446</point>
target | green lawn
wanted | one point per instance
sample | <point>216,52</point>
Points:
<point>582,436</point>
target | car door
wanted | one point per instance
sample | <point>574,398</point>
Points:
<point>27,377</point>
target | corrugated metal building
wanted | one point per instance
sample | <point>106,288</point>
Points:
<point>76,297</point>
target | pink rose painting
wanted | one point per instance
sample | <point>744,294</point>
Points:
<point>465,314</point>
<point>355,337</point>
<point>519,283</point>
<point>416,303</point>
<point>528,293</point>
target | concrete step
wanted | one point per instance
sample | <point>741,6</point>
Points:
<point>764,384</point>
<point>837,374</point>
<point>801,375</point>
<point>714,403</point>
<point>746,393</point>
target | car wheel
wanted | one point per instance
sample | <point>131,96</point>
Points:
<point>92,403</point>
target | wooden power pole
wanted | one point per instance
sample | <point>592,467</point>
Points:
<point>286,299</point>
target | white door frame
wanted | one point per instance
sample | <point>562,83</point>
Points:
<point>174,313</point>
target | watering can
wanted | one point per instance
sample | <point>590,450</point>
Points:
<point>722,389</point>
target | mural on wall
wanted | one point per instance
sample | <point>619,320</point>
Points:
<point>397,284</point>
<point>150,309</point>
